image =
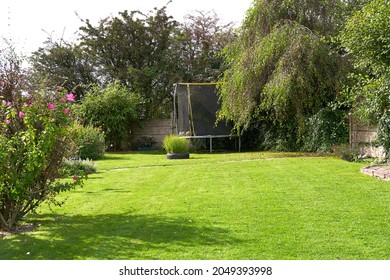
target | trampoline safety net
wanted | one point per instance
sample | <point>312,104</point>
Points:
<point>196,106</point>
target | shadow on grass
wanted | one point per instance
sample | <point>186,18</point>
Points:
<point>114,237</point>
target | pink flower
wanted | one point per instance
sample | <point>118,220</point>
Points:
<point>70,97</point>
<point>7,121</point>
<point>21,114</point>
<point>75,177</point>
<point>58,88</point>
<point>53,120</point>
<point>9,104</point>
<point>50,106</point>
<point>66,111</point>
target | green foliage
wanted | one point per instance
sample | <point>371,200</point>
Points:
<point>89,141</point>
<point>383,136</point>
<point>281,68</point>
<point>34,140</point>
<point>324,130</point>
<point>147,52</point>
<point>367,34</point>
<point>175,144</point>
<point>78,167</point>
<point>367,37</point>
<point>63,63</point>
<point>200,41</point>
<point>135,49</point>
<point>113,109</point>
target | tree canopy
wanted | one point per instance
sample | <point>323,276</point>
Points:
<point>281,67</point>
<point>147,53</point>
<point>201,40</point>
<point>366,38</point>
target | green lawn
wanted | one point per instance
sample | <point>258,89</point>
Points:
<point>215,206</point>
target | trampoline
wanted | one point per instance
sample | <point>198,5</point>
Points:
<point>195,108</point>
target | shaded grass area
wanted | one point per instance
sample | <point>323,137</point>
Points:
<point>215,206</point>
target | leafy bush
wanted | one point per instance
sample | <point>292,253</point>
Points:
<point>173,144</point>
<point>383,136</point>
<point>78,167</point>
<point>319,133</point>
<point>324,130</point>
<point>34,140</point>
<point>90,142</point>
<point>114,109</point>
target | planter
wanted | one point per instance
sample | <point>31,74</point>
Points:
<point>178,156</point>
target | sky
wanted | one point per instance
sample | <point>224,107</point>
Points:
<point>28,23</point>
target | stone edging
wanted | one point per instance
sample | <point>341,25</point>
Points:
<point>378,171</point>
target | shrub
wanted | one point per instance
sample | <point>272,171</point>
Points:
<point>78,167</point>
<point>173,144</point>
<point>318,133</point>
<point>383,136</point>
<point>34,140</point>
<point>90,142</point>
<point>114,109</point>
<point>325,129</point>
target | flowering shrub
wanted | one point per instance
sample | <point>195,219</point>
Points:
<point>34,140</point>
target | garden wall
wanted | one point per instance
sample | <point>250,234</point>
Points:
<point>157,129</point>
<point>362,138</point>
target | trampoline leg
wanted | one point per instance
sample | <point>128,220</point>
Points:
<point>211,145</point>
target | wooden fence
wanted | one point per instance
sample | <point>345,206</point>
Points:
<point>362,137</point>
<point>156,129</point>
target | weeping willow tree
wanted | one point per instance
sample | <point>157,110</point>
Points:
<point>282,68</point>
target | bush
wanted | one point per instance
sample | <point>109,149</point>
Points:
<point>34,140</point>
<point>78,167</point>
<point>324,130</point>
<point>173,144</point>
<point>383,136</point>
<point>319,133</point>
<point>90,142</point>
<point>114,109</point>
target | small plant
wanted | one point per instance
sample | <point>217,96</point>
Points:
<point>345,152</point>
<point>78,167</point>
<point>174,144</point>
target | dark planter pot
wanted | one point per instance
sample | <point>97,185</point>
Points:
<point>178,156</point>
